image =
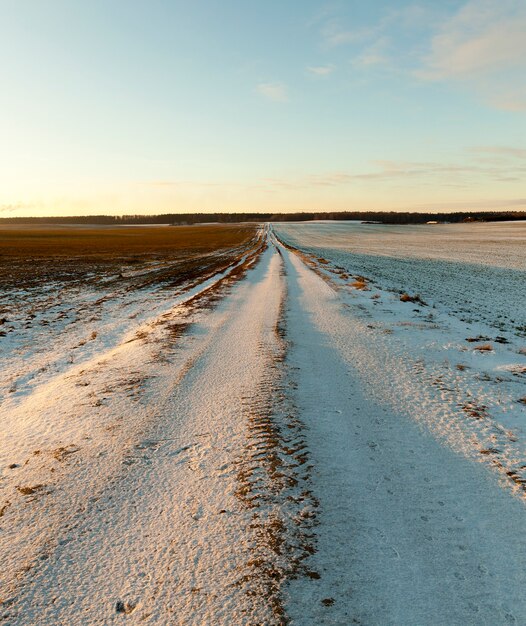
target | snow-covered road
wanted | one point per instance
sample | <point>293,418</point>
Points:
<point>258,454</point>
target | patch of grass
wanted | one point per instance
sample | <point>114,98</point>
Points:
<point>28,491</point>
<point>60,454</point>
<point>485,347</point>
<point>474,410</point>
<point>360,283</point>
<point>416,299</point>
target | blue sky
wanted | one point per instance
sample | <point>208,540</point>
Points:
<point>150,106</point>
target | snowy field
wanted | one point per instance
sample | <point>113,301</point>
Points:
<point>324,424</point>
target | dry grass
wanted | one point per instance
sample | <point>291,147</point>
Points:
<point>485,347</point>
<point>3,509</point>
<point>62,453</point>
<point>360,283</point>
<point>272,475</point>
<point>28,491</point>
<point>475,410</point>
<point>405,297</point>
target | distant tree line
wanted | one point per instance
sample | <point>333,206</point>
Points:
<point>385,217</point>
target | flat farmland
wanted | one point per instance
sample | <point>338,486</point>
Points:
<point>279,424</point>
<point>32,254</point>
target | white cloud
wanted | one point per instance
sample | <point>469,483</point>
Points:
<point>506,96</point>
<point>374,55</point>
<point>479,47</point>
<point>369,59</point>
<point>336,32</point>
<point>483,46</point>
<point>472,205</point>
<point>500,151</point>
<point>321,70</point>
<point>482,37</point>
<point>460,174</point>
<point>17,206</point>
<point>273,91</point>
<point>335,35</point>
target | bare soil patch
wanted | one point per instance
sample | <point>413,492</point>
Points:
<point>32,255</point>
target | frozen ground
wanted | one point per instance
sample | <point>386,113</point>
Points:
<point>285,441</point>
<point>476,271</point>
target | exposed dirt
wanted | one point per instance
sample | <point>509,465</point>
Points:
<point>133,257</point>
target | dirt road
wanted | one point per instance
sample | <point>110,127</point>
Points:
<point>246,460</point>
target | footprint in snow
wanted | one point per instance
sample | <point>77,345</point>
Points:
<point>124,607</point>
<point>198,513</point>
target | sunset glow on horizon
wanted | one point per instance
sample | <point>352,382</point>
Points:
<point>155,107</point>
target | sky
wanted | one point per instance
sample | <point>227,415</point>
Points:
<point>155,106</point>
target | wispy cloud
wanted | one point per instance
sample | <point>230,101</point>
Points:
<point>479,47</point>
<point>409,18</point>
<point>489,204</point>
<point>447,174</point>
<point>484,36</point>
<point>483,46</point>
<point>374,55</point>
<point>321,70</point>
<point>17,206</point>
<point>183,183</point>
<point>500,151</point>
<point>335,34</point>
<point>276,92</point>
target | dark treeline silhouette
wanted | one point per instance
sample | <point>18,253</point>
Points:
<point>391,217</point>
